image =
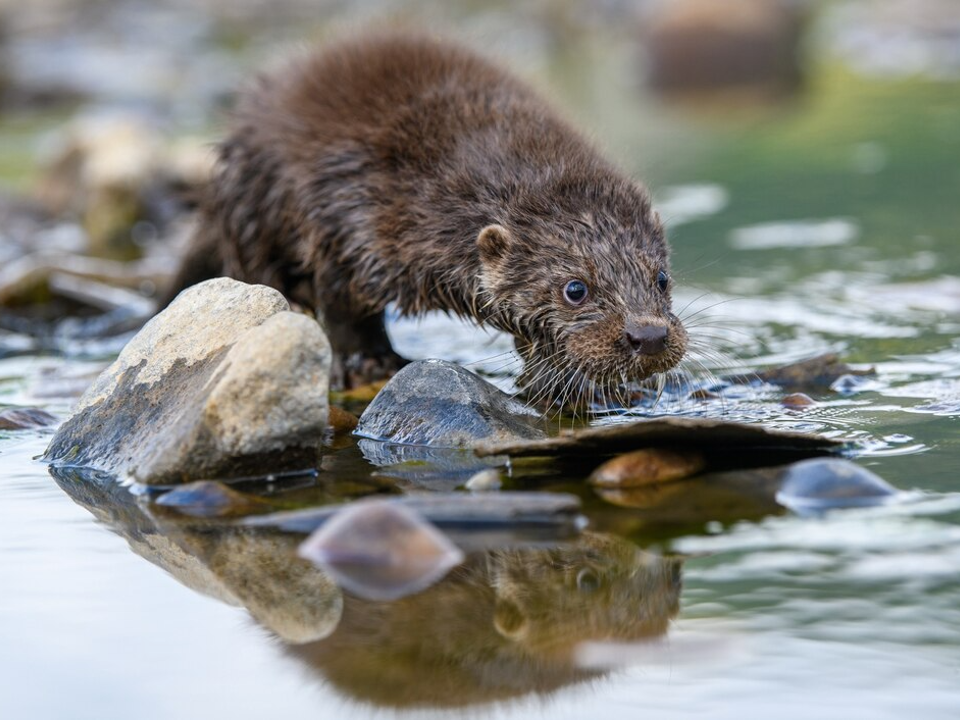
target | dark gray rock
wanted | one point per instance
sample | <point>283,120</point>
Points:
<point>225,382</point>
<point>828,483</point>
<point>441,405</point>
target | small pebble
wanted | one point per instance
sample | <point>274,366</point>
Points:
<point>797,401</point>
<point>703,394</point>
<point>485,481</point>
<point>341,421</point>
<point>645,467</point>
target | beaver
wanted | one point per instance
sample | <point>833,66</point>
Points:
<point>392,168</point>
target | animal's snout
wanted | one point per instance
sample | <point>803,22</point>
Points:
<point>646,339</point>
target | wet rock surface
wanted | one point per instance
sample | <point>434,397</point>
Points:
<point>738,443</point>
<point>830,483</point>
<point>442,405</point>
<point>226,381</point>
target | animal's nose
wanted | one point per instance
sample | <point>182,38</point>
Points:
<point>646,339</point>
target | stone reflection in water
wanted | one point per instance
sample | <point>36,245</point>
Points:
<point>255,569</point>
<point>506,623</point>
<point>381,550</point>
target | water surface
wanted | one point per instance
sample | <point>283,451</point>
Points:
<point>829,225</point>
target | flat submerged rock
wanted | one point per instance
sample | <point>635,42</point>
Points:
<point>471,520</point>
<point>712,436</point>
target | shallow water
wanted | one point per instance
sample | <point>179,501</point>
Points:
<point>819,229</point>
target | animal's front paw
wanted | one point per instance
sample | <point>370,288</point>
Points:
<point>357,369</point>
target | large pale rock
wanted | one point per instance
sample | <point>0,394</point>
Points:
<point>226,381</point>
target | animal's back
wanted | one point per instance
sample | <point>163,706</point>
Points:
<point>362,171</point>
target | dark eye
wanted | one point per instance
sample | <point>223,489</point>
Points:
<point>662,281</point>
<point>587,581</point>
<point>575,292</point>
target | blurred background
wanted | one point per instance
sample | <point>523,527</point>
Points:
<point>805,155</point>
<point>758,125</point>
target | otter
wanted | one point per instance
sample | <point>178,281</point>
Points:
<point>400,169</point>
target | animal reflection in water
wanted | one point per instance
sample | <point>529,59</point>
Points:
<point>504,624</point>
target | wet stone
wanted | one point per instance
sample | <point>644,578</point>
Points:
<point>341,421</point>
<point>797,401</point>
<point>25,418</point>
<point>648,466</point>
<point>484,481</point>
<point>704,394</point>
<point>441,405</point>
<point>381,551</point>
<point>817,373</point>
<point>226,382</point>
<point>829,483</point>
<point>209,499</point>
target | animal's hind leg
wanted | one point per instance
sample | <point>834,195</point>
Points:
<point>362,352</point>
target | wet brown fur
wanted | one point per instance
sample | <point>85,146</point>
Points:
<point>365,174</point>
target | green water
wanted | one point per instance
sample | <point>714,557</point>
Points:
<point>853,614</point>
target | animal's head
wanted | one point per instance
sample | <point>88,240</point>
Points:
<point>587,295</point>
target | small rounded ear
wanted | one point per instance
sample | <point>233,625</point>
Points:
<point>493,242</point>
<point>508,619</point>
